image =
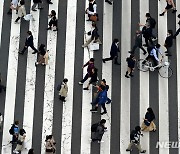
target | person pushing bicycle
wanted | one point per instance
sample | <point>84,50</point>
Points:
<point>153,54</point>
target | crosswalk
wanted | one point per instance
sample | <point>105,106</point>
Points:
<point>31,93</point>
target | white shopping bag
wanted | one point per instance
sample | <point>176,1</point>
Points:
<point>94,46</point>
<point>28,17</point>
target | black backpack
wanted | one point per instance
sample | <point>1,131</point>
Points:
<point>133,132</point>
<point>152,23</point>
<point>94,127</point>
<point>11,131</point>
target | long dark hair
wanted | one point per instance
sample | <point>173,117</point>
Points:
<point>151,112</point>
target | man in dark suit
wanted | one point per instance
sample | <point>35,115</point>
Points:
<point>169,42</point>
<point>114,52</point>
<point>138,43</point>
<point>29,43</point>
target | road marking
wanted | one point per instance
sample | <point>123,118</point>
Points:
<point>69,74</point>
<point>125,83</point>
<point>107,72</point>
<point>30,83</point>
<point>1,17</point>
<point>11,84</point>
<point>49,81</point>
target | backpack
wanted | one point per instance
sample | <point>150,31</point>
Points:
<point>152,23</point>
<point>94,127</point>
<point>11,130</point>
<point>133,132</point>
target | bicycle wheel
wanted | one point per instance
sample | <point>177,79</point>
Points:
<point>142,67</point>
<point>165,72</point>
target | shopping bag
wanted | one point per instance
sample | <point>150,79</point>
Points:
<point>94,46</point>
<point>93,18</point>
<point>28,17</point>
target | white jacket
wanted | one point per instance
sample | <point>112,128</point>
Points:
<point>21,11</point>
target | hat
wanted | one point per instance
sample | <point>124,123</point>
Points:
<point>103,80</point>
<point>178,16</point>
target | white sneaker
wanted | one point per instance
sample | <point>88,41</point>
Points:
<point>80,82</point>
<point>100,141</point>
<point>14,151</point>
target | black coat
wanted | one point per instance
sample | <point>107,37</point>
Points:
<point>169,41</point>
<point>138,40</point>
<point>114,50</point>
<point>37,1</point>
<point>29,41</point>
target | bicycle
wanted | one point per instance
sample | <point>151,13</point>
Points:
<point>164,68</point>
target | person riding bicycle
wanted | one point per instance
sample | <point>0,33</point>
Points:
<point>153,54</point>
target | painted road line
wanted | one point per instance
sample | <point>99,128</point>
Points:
<point>86,96</point>
<point>107,73</point>
<point>125,83</point>
<point>11,84</point>
<point>49,81</point>
<point>163,85</point>
<point>30,83</point>
<point>144,81</point>
<point>1,17</point>
<point>69,74</point>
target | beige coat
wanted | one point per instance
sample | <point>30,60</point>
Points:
<point>21,11</point>
<point>20,138</point>
<point>64,90</point>
<point>46,57</point>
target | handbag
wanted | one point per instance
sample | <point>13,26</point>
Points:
<point>93,18</point>
<point>147,123</point>
<point>94,46</point>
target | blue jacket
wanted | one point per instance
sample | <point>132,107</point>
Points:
<point>102,97</point>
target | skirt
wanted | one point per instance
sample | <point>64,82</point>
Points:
<point>151,127</point>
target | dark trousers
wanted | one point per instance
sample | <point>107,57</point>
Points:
<point>154,60</point>
<point>139,46</point>
<point>52,23</point>
<point>147,40</point>
<point>168,50</point>
<point>85,78</point>
<point>62,98</point>
<point>111,58</point>
<point>2,87</point>
<point>17,19</point>
<point>177,32</point>
<point>25,48</point>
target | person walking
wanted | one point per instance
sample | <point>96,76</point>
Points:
<point>53,21</point>
<point>148,122</point>
<point>170,5</point>
<point>14,131</point>
<point>138,43</point>
<point>21,10</point>
<point>135,139</point>
<point>169,42</point>
<point>2,87</point>
<point>29,43</point>
<point>43,56</point>
<point>64,90</point>
<point>13,6</point>
<point>94,78</point>
<point>99,131</point>
<point>50,144</point>
<point>113,52</point>
<point>109,1</point>
<point>20,141</point>
<point>37,2</point>
<point>31,151</point>
<point>100,100</point>
<point>1,122</point>
<point>89,73</point>
<point>147,34</point>
<point>131,66</point>
<point>92,9</point>
<point>94,36</point>
<point>178,31</point>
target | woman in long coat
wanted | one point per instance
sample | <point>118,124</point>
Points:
<point>64,90</point>
<point>21,10</point>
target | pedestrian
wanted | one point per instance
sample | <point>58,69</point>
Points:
<point>169,42</point>
<point>21,10</point>
<point>20,141</point>
<point>109,1</point>
<point>98,133</point>
<point>50,144</point>
<point>94,36</point>
<point>14,131</point>
<point>2,87</point>
<point>49,2</point>
<point>94,78</point>
<point>37,2</point>
<point>131,66</point>
<point>147,34</point>
<point>170,5</point>
<point>31,151</point>
<point>29,43</point>
<point>92,9</point>
<point>13,6</point>
<point>134,139</point>
<point>100,100</point>
<point>53,21</point>
<point>1,122</point>
<point>148,122</point>
<point>177,32</point>
<point>138,43</point>
<point>113,52</point>
<point>89,73</point>
<point>64,90</point>
<point>42,56</point>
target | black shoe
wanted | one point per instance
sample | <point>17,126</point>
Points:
<point>109,102</point>
<point>162,14</point>
<point>93,110</point>
<point>128,150</point>
<point>127,76</point>
<point>108,2</point>
<point>130,51</point>
<point>34,52</point>
<point>103,61</point>
<point>21,53</point>
<point>49,2</point>
<point>165,52</point>
<point>103,113</point>
<point>174,11</point>
<point>49,28</point>
<point>144,53</point>
<point>36,64</point>
<point>144,151</point>
<point>34,10</point>
<point>85,88</point>
<point>168,54</point>
<point>4,88</point>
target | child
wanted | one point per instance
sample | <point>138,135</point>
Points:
<point>131,62</point>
